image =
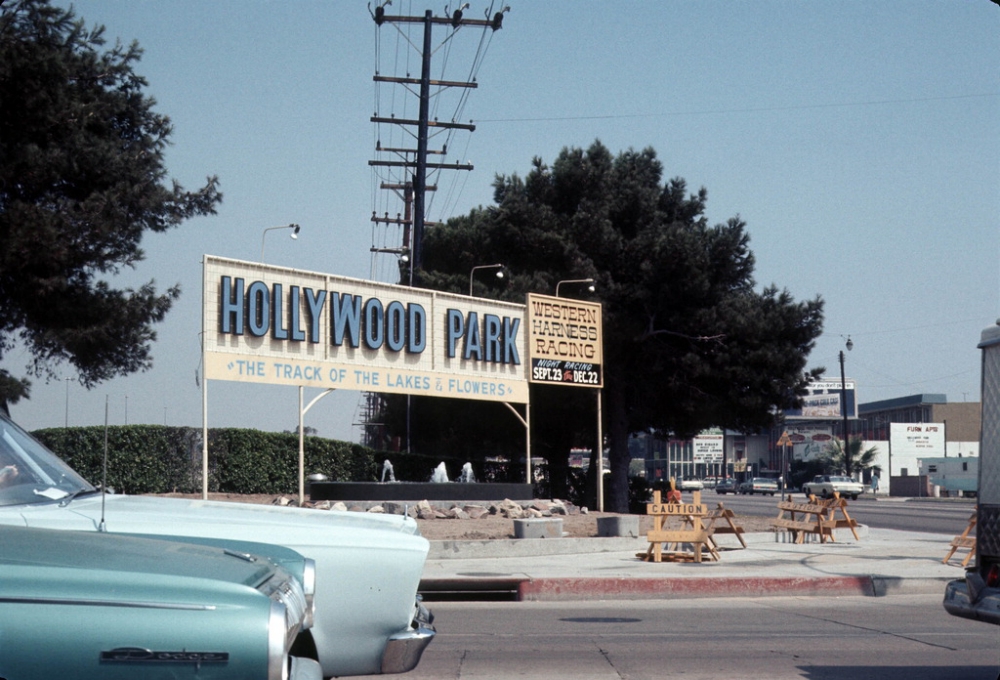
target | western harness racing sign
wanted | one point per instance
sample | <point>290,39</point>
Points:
<point>267,324</point>
<point>565,341</point>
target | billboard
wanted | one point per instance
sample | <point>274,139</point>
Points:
<point>275,325</point>
<point>708,447</point>
<point>917,440</point>
<point>809,440</point>
<point>822,401</point>
<point>565,341</point>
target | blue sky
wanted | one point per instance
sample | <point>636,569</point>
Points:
<point>860,142</point>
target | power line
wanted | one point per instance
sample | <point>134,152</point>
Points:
<point>762,109</point>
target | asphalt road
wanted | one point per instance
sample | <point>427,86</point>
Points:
<point>888,638</point>
<point>931,515</point>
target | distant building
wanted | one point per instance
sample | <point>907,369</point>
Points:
<point>951,476</point>
<point>682,459</point>
<point>961,419</point>
<point>747,455</point>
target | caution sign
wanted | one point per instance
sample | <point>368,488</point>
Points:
<point>565,341</point>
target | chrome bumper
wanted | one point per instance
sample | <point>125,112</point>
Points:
<point>978,602</point>
<point>404,649</point>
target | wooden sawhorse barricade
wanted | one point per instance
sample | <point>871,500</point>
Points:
<point>697,526</point>
<point>817,518</point>
<point>964,541</point>
<point>724,513</point>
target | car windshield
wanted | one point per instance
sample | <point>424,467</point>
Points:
<point>30,473</point>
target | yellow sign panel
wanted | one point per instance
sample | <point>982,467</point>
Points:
<point>676,509</point>
<point>280,326</point>
<point>565,341</point>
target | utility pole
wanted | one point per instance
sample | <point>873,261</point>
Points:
<point>414,160</point>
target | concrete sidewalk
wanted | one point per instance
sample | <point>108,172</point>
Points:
<point>882,562</point>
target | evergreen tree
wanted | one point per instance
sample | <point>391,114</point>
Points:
<point>689,340</point>
<point>81,179</point>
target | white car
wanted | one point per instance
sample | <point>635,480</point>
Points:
<point>368,619</point>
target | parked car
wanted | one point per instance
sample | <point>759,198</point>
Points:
<point>761,485</point>
<point>825,486</point>
<point>87,605</point>
<point>691,484</point>
<point>368,617</point>
<point>725,486</point>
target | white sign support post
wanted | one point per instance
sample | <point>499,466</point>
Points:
<point>302,441</point>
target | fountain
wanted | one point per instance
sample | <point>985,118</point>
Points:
<point>387,469</point>
<point>440,474</point>
<point>467,476</point>
<point>439,488</point>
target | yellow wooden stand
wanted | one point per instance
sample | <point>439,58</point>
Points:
<point>692,531</point>
<point>964,542</point>
<point>815,517</point>
<point>730,527</point>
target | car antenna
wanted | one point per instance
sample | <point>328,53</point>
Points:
<point>104,474</point>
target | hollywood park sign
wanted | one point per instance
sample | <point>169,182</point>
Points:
<point>274,325</point>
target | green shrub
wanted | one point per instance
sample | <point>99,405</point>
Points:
<point>158,459</point>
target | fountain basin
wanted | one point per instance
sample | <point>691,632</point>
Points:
<point>418,491</point>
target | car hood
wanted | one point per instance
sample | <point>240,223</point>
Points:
<point>91,554</point>
<point>298,528</point>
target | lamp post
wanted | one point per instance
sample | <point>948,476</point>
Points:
<point>295,234</point>
<point>590,281</point>
<point>843,404</point>
<point>598,457</point>
<point>484,266</point>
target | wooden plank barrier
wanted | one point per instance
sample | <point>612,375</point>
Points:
<point>814,517</point>
<point>692,531</point>
<point>964,541</point>
<point>724,513</point>
<point>834,504</point>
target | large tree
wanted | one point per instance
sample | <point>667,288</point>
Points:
<point>690,339</point>
<point>82,178</point>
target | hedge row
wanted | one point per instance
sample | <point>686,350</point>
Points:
<point>158,459</point>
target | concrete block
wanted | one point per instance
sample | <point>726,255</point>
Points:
<point>538,528</point>
<point>624,525</point>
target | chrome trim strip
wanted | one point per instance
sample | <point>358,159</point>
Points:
<point>108,603</point>
<point>309,589</point>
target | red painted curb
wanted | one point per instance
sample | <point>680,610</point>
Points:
<point>551,589</point>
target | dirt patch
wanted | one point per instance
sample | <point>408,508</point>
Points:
<point>579,525</point>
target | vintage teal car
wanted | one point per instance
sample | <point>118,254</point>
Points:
<point>368,617</point>
<point>97,605</point>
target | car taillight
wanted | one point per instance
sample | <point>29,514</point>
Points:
<point>993,576</point>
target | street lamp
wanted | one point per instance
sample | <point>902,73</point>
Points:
<point>402,256</point>
<point>295,234</point>
<point>484,266</point>
<point>589,288</point>
<point>843,404</point>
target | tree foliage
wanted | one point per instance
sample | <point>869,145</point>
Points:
<point>690,340</point>
<point>849,460</point>
<point>82,178</point>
